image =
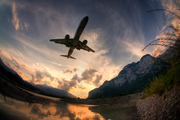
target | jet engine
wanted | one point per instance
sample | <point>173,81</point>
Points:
<point>85,42</point>
<point>67,37</point>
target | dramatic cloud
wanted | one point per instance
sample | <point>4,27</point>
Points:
<point>97,80</point>
<point>47,74</point>
<point>87,75</point>
<point>17,65</point>
<point>70,71</point>
<point>33,79</point>
<point>75,77</point>
<point>66,84</point>
<point>39,76</point>
<point>90,76</point>
<point>15,19</point>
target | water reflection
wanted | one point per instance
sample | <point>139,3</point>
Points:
<point>12,109</point>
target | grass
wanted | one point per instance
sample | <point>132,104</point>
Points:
<point>164,81</point>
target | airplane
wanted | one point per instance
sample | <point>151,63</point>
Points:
<point>75,42</point>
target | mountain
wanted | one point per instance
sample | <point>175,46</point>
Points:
<point>14,77</point>
<point>10,74</point>
<point>6,68</point>
<point>132,78</point>
<point>54,91</point>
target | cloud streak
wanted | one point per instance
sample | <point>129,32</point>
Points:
<point>15,19</point>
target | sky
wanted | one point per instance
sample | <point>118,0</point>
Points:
<point>117,30</point>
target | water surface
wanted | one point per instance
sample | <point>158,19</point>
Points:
<point>12,109</point>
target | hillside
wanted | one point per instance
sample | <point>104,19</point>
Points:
<point>15,78</point>
<point>55,91</point>
<point>12,76</point>
<point>133,77</point>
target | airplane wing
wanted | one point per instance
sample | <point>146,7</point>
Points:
<point>87,48</point>
<point>84,47</point>
<point>63,41</point>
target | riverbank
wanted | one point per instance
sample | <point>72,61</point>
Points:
<point>165,107</point>
<point>106,101</point>
<point>9,89</point>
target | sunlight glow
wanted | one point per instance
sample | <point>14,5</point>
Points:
<point>82,112</point>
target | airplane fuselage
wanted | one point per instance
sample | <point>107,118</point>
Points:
<point>77,35</point>
<point>71,49</point>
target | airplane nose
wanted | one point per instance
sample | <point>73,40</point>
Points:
<point>86,18</point>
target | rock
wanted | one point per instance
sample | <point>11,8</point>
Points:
<point>153,108</point>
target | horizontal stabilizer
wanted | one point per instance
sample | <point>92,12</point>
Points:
<point>67,56</point>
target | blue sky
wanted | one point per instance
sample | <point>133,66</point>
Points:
<point>117,30</point>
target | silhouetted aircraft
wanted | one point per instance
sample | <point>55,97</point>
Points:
<point>75,42</point>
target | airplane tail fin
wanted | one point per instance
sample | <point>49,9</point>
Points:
<point>67,56</point>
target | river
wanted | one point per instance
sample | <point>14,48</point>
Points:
<point>12,109</point>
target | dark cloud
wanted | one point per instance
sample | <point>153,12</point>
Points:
<point>47,74</point>
<point>72,83</point>
<point>61,110</point>
<point>75,69</point>
<point>37,111</point>
<point>16,64</point>
<point>66,85</point>
<point>87,75</point>
<point>39,75</point>
<point>97,80</point>
<point>75,77</point>
<point>59,82</point>
<point>69,71</point>
<point>33,78</point>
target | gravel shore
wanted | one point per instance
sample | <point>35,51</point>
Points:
<point>165,107</point>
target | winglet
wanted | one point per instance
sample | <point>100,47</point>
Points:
<point>67,56</point>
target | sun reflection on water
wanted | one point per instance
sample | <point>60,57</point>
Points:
<point>14,109</point>
<point>82,112</point>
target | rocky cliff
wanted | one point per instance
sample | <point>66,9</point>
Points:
<point>132,78</point>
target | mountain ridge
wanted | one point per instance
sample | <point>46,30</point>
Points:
<point>14,77</point>
<point>55,91</point>
<point>132,78</point>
